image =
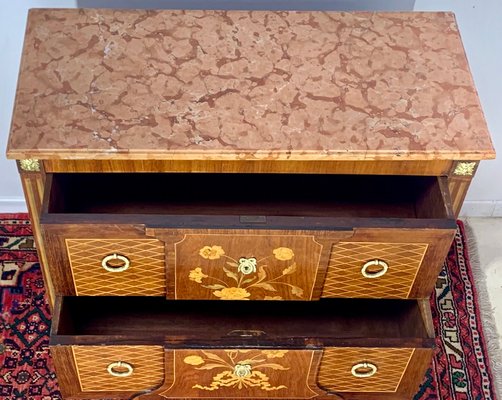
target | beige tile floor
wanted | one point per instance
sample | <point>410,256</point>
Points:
<point>488,232</point>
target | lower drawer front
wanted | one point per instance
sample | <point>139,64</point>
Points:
<point>194,373</point>
<point>106,371</point>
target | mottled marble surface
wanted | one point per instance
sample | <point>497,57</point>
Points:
<point>245,85</point>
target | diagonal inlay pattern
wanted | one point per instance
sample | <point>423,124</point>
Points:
<point>344,277</point>
<point>144,277</point>
<point>92,363</point>
<point>336,365</point>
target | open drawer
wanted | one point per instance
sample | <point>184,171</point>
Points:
<point>246,236</point>
<point>118,347</point>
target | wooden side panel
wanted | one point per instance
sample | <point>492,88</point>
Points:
<point>413,376</point>
<point>435,201</point>
<point>232,373</point>
<point>439,244</point>
<point>66,371</point>
<point>339,366</point>
<point>459,180</point>
<point>430,167</point>
<point>458,190</point>
<point>33,187</point>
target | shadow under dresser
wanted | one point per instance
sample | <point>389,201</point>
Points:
<point>233,204</point>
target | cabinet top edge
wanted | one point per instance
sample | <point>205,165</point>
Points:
<point>244,156</point>
<point>230,85</point>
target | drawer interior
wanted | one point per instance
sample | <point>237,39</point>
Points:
<point>328,322</point>
<point>288,195</point>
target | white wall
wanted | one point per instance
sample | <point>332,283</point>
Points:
<point>480,25</point>
<point>12,25</point>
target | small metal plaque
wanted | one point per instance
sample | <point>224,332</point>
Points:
<point>253,219</point>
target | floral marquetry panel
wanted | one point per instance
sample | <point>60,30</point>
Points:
<point>246,267</point>
<point>250,373</point>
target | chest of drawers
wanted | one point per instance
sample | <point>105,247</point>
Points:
<point>306,167</point>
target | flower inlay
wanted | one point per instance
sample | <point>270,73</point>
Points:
<point>239,369</point>
<point>232,293</point>
<point>211,252</point>
<point>246,275</point>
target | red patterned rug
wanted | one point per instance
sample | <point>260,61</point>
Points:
<point>460,369</point>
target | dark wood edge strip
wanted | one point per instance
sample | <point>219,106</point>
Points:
<point>233,222</point>
<point>275,343</point>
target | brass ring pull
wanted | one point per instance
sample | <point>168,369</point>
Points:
<point>364,370</point>
<point>374,274</point>
<point>105,263</point>
<point>120,369</point>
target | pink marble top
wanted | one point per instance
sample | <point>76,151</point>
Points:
<point>245,85</point>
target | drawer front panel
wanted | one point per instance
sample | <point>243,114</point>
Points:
<point>232,373</point>
<point>142,367</point>
<point>363,369</point>
<point>372,269</point>
<point>246,267</point>
<point>144,261</point>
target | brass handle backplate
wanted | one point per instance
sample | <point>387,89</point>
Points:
<point>105,263</point>
<point>246,333</point>
<point>242,370</point>
<point>374,274</point>
<point>364,370</point>
<point>120,369</point>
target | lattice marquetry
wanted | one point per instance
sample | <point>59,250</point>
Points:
<point>144,277</point>
<point>344,277</point>
<point>336,365</point>
<point>92,363</point>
